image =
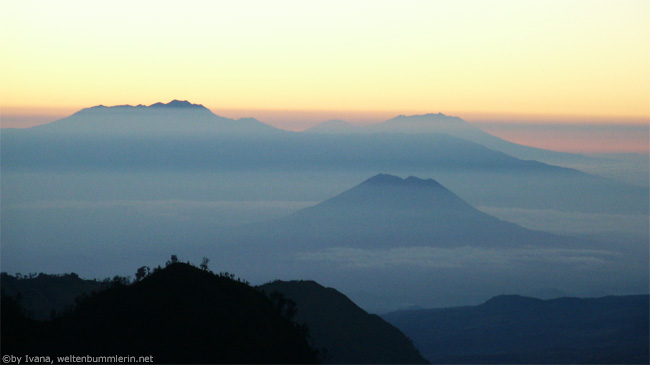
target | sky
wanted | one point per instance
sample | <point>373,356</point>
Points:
<point>295,63</point>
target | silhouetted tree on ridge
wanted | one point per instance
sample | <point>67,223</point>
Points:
<point>179,314</point>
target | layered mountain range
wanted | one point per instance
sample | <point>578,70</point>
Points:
<point>511,329</point>
<point>182,136</point>
<point>222,319</point>
<point>132,183</point>
<point>454,126</point>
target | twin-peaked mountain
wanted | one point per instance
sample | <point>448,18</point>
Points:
<point>387,211</point>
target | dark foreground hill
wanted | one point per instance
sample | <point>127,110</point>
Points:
<point>179,314</point>
<point>343,332</point>
<point>340,330</point>
<point>43,295</point>
<point>514,329</point>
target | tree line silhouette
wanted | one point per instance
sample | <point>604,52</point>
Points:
<point>177,313</point>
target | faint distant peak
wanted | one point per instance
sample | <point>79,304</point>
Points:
<point>426,123</point>
<point>430,115</point>
<point>336,122</point>
<point>334,126</point>
<point>412,180</point>
<point>387,179</point>
<point>184,104</point>
<point>403,116</point>
<point>509,300</point>
<point>248,120</point>
<point>427,116</point>
<point>177,104</point>
<point>302,284</point>
<point>384,179</point>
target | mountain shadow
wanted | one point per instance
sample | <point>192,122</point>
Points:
<point>515,329</point>
<point>343,332</point>
<point>179,314</point>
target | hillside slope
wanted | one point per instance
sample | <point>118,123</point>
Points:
<point>342,331</point>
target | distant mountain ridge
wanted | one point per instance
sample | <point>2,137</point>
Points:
<point>454,126</point>
<point>172,104</point>
<point>181,117</point>
<point>182,135</point>
<point>511,329</point>
<point>177,104</point>
<point>414,124</point>
<point>333,127</point>
<point>176,118</point>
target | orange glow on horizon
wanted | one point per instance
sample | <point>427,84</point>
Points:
<point>577,138</point>
<point>500,57</point>
<point>298,120</point>
<point>552,132</point>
